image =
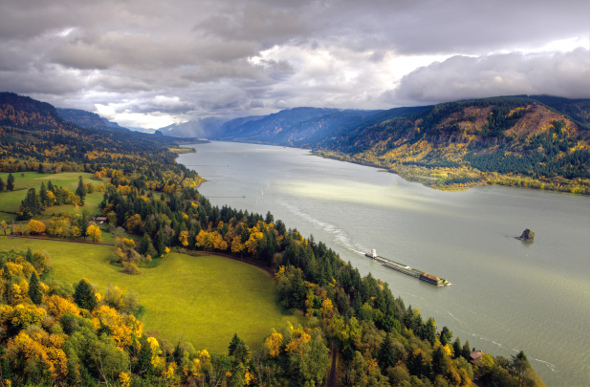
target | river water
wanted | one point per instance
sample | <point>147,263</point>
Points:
<point>506,296</point>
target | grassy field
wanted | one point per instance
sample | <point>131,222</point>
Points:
<point>10,201</point>
<point>203,299</point>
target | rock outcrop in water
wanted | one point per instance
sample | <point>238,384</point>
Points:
<point>527,235</point>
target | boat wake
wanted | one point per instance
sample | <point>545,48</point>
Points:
<point>338,235</point>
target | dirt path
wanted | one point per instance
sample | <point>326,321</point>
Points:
<point>333,367</point>
<point>41,238</point>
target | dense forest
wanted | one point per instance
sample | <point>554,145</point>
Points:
<point>356,333</point>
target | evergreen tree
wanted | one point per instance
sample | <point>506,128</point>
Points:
<point>43,195</point>
<point>30,207</point>
<point>35,289</point>
<point>29,256</point>
<point>457,350</point>
<point>10,183</point>
<point>233,344</point>
<point>2,185</point>
<point>83,225</point>
<point>144,244</point>
<point>84,295</point>
<point>386,355</point>
<point>159,241</point>
<point>81,190</point>
<point>466,353</point>
<point>50,186</point>
<point>445,336</point>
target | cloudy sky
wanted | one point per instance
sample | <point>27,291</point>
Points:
<point>150,63</point>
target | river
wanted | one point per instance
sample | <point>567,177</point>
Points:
<point>506,296</point>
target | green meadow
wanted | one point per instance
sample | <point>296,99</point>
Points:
<point>204,299</point>
<point>10,200</point>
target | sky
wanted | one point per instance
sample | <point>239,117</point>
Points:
<point>151,63</point>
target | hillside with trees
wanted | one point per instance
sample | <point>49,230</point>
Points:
<point>89,120</point>
<point>537,142</point>
<point>356,332</point>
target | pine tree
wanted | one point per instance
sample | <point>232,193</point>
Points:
<point>84,295</point>
<point>35,289</point>
<point>10,183</point>
<point>160,244</point>
<point>233,344</point>
<point>81,190</point>
<point>386,355</point>
<point>29,256</point>
<point>2,185</point>
<point>43,195</point>
<point>31,206</point>
<point>466,351</point>
<point>144,244</point>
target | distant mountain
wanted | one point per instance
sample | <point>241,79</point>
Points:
<point>33,132</point>
<point>88,120</point>
<point>294,127</point>
<point>141,130</point>
<point>203,128</point>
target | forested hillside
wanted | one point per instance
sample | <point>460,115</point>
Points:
<point>538,142</point>
<point>294,127</point>
<point>507,140</point>
<point>34,137</point>
<point>89,120</point>
<point>356,333</point>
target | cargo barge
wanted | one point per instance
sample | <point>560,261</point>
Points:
<point>407,270</point>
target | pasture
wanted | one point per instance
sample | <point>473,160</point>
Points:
<point>203,299</point>
<point>10,200</point>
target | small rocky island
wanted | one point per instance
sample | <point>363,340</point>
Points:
<point>527,235</point>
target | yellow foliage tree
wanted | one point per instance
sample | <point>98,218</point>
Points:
<point>58,306</point>
<point>105,316</point>
<point>236,244</point>
<point>35,227</point>
<point>272,344</point>
<point>93,231</point>
<point>205,239</point>
<point>24,315</point>
<point>183,238</point>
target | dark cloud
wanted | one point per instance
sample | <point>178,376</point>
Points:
<point>183,59</point>
<point>460,77</point>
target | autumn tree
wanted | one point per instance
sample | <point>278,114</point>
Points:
<point>93,231</point>
<point>183,238</point>
<point>35,227</point>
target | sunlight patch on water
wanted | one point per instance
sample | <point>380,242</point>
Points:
<point>363,193</point>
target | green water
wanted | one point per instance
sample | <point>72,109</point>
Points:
<point>506,296</point>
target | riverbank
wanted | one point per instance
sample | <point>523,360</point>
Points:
<point>463,178</point>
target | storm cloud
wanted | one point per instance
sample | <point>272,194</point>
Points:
<point>152,63</point>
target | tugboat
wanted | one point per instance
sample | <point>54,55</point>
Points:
<point>372,254</point>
